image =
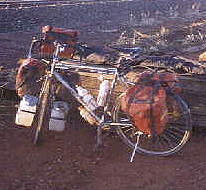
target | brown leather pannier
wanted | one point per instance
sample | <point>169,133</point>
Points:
<point>146,105</point>
<point>61,35</point>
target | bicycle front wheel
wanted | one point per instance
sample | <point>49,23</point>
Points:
<point>171,140</point>
<point>40,117</point>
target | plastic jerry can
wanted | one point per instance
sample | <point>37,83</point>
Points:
<point>58,116</point>
<point>26,110</point>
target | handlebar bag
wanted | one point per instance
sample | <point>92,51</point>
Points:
<point>46,50</point>
<point>28,77</point>
<point>61,35</point>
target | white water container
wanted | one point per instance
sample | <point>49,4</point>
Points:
<point>103,90</point>
<point>58,116</point>
<point>26,110</point>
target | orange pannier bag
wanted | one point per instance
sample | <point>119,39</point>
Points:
<point>146,105</point>
<point>61,35</point>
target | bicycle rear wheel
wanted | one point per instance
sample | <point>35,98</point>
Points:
<point>41,116</point>
<point>171,140</point>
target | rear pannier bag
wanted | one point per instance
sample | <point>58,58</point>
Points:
<point>28,77</point>
<point>61,35</point>
<point>139,101</point>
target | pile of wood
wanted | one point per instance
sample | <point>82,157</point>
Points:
<point>193,91</point>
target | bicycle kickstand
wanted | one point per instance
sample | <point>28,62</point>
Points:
<point>135,147</point>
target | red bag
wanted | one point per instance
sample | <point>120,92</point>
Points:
<point>28,77</point>
<point>137,102</point>
<point>61,35</point>
<point>47,50</point>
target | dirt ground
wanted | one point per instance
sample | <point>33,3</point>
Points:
<point>67,160</point>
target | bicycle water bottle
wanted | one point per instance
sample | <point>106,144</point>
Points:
<point>103,91</point>
<point>91,103</point>
<point>87,98</point>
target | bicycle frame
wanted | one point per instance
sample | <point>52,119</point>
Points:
<point>71,64</point>
<point>85,69</point>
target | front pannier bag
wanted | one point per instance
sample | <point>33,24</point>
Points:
<point>28,77</point>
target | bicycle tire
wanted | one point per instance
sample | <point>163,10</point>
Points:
<point>170,141</point>
<point>40,117</point>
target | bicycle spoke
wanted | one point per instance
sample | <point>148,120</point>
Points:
<point>162,144</point>
<point>172,135</point>
<point>177,131</point>
<point>168,142</point>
